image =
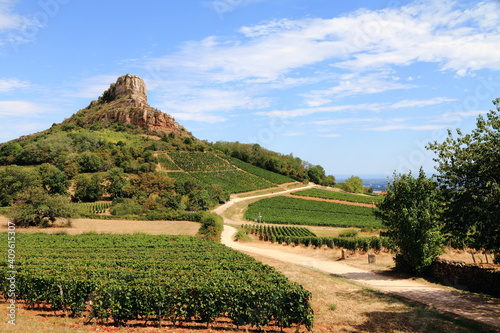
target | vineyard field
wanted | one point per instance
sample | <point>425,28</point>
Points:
<point>325,194</point>
<point>166,162</point>
<point>265,232</point>
<point>233,181</point>
<point>269,175</point>
<point>289,210</point>
<point>93,207</point>
<point>169,279</point>
<point>200,161</point>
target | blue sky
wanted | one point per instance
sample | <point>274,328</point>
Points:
<point>358,87</point>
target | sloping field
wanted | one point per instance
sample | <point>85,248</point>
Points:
<point>289,210</point>
<point>325,194</point>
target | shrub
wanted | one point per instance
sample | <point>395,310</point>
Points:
<point>349,233</point>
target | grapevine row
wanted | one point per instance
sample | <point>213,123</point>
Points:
<point>146,277</point>
<point>94,207</point>
<point>349,243</point>
<point>266,232</point>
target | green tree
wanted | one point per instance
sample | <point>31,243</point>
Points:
<point>328,181</point>
<point>469,174</point>
<point>88,189</point>
<point>117,182</point>
<point>316,174</point>
<point>89,162</point>
<point>411,211</point>
<point>54,181</point>
<point>353,184</point>
<point>13,180</point>
<point>35,207</point>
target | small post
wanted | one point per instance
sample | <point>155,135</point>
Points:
<point>372,258</point>
<point>344,255</point>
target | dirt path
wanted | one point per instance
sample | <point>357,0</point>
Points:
<point>441,299</point>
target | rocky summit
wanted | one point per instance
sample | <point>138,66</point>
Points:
<point>125,102</point>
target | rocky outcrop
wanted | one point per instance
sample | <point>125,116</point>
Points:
<point>126,87</point>
<point>125,102</point>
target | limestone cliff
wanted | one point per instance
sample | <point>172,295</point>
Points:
<point>125,102</point>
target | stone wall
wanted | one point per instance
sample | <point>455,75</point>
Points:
<point>466,277</point>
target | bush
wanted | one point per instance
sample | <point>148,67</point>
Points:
<point>349,233</point>
<point>211,226</point>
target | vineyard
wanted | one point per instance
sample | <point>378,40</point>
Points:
<point>199,161</point>
<point>162,279</point>
<point>93,207</point>
<point>166,162</point>
<point>325,194</point>
<point>269,175</point>
<point>288,210</point>
<point>233,181</point>
<point>272,233</point>
<point>303,236</point>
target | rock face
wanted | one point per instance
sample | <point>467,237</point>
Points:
<point>125,102</point>
<point>128,87</point>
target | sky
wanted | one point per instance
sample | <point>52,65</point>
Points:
<point>358,87</point>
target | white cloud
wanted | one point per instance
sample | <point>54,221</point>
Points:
<point>91,87</point>
<point>344,121</point>
<point>428,31</point>
<point>421,103</point>
<point>408,127</point>
<point>368,48</point>
<point>22,109</point>
<point>355,84</point>
<point>452,117</point>
<point>13,26</point>
<point>7,85</point>
<point>375,107</point>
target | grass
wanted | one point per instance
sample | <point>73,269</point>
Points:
<point>341,306</point>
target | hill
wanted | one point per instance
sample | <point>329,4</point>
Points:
<point>120,149</point>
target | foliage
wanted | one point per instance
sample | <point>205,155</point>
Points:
<point>469,175</point>
<point>35,207</point>
<point>286,165</point>
<point>349,233</point>
<point>88,188</point>
<point>233,181</point>
<point>289,210</point>
<point>200,161</point>
<point>411,211</point>
<point>353,184</point>
<point>15,179</point>
<point>269,233</point>
<point>211,226</point>
<point>273,177</point>
<point>54,181</point>
<point>326,194</point>
<point>117,182</point>
<point>146,277</point>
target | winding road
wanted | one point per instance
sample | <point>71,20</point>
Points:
<point>443,300</point>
